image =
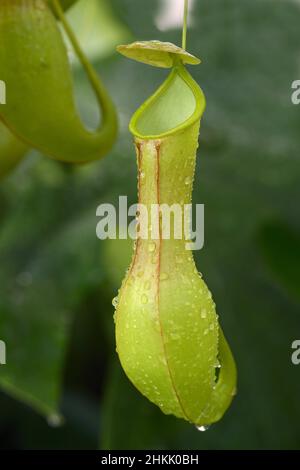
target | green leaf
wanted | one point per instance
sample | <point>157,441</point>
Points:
<point>41,286</point>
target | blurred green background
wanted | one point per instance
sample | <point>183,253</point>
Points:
<point>62,386</point>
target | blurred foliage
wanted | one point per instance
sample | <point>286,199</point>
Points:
<point>57,279</point>
<point>98,29</point>
<point>280,246</point>
<point>12,151</point>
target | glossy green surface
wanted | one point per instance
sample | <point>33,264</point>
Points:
<point>40,107</point>
<point>167,332</point>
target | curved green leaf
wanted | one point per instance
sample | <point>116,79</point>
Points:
<point>40,105</point>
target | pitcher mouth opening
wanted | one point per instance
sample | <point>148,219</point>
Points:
<point>177,104</point>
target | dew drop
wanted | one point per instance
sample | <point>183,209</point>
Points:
<point>203,313</point>
<point>151,247</point>
<point>142,174</point>
<point>202,428</point>
<point>164,360</point>
<point>115,301</point>
<point>187,180</point>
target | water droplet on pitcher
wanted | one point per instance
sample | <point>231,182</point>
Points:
<point>202,428</point>
<point>175,336</point>
<point>115,301</point>
<point>203,313</point>
<point>142,174</point>
<point>187,180</point>
<point>164,360</point>
<point>151,247</point>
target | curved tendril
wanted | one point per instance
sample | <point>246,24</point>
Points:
<point>108,110</point>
